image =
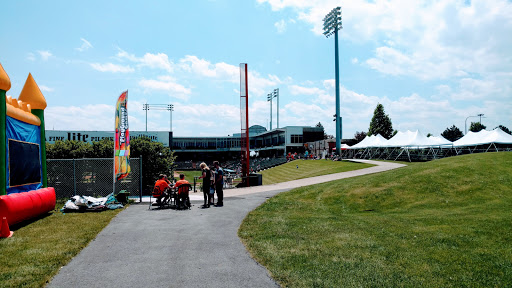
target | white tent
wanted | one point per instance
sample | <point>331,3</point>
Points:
<point>439,141</point>
<point>408,139</point>
<point>370,141</point>
<point>483,137</point>
<point>414,145</point>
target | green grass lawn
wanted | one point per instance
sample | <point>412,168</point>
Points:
<point>444,223</point>
<point>307,168</point>
<point>189,175</point>
<point>38,249</point>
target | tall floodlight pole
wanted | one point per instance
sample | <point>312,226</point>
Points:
<point>332,23</point>
<point>146,108</point>
<point>276,95</point>
<point>168,107</point>
<point>269,98</point>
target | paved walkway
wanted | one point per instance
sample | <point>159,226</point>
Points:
<point>193,248</point>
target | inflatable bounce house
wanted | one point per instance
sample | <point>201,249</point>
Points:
<point>23,183</point>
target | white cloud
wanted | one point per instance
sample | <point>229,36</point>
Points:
<point>31,56</point>
<point>280,26</point>
<point>157,61</point>
<point>45,88</point>
<point>153,61</point>
<point>423,39</point>
<point>88,117</point>
<point>258,86</point>
<point>299,90</point>
<point>166,84</point>
<point>110,67</point>
<point>205,68</point>
<point>45,55</point>
<point>85,45</point>
<point>354,60</point>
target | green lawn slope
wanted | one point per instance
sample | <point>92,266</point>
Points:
<point>444,223</point>
<point>300,169</point>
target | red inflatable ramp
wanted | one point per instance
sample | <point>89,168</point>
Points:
<point>22,206</point>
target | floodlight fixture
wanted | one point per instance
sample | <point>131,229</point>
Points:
<point>332,22</point>
<point>168,107</point>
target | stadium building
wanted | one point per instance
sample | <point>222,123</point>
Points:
<point>275,143</point>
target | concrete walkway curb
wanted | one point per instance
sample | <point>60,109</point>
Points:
<point>193,248</point>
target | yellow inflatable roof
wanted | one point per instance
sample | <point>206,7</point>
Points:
<point>20,110</point>
<point>5,82</point>
<point>32,95</point>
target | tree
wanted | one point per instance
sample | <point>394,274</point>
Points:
<point>156,159</point>
<point>69,149</point>
<point>381,123</point>
<point>452,134</point>
<point>505,129</point>
<point>319,125</point>
<point>476,127</point>
<point>359,136</point>
<point>429,135</point>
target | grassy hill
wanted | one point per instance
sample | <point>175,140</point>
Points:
<point>300,169</point>
<point>444,223</point>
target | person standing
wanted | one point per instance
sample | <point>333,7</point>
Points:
<point>219,183</point>
<point>207,174</point>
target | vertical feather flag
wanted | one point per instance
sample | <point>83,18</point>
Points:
<point>122,139</point>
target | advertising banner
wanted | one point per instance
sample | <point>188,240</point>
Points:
<point>122,139</point>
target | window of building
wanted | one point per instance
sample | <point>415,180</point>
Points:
<point>296,138</point>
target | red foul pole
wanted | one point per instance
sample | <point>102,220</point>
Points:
<point>244,115</point>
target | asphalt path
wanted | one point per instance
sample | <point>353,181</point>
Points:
<point>185,248</point>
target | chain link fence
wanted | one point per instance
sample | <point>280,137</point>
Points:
<point>91,177</point>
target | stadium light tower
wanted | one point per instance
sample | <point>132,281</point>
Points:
<point>332,23</point>
<point>168,107</point>
<point>276,95</point>
<point>269,98</point>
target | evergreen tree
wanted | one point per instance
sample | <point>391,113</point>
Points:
<point>381,123</point>
<point>476,127</point>
<point>359,136</point>
<point>505,129</point>
<point>453,133</point>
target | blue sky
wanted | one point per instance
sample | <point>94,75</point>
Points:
<point>430,63</point>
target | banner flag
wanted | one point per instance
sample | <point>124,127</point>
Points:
<point>122,139</point>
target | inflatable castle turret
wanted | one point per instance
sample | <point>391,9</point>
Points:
<point>23,182</point>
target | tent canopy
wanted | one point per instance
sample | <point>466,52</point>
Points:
<point>483,137</point>
<point>415,139</point>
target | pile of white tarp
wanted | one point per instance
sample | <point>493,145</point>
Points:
<point>88,203</point>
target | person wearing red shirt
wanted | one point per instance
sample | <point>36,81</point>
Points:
<point>182,194</point>
<point>161,187</point>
